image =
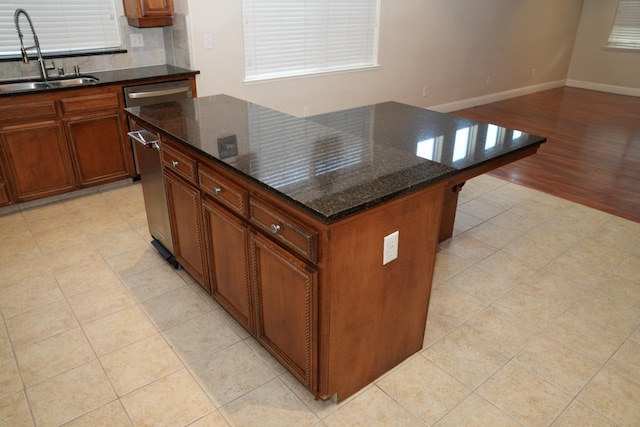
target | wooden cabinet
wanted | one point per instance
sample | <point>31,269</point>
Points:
<point>95,127</point>
<point>186,225</point>
<point>316,296</point>
<point>5,194</point>
<point>285,292</point>
<point>37,158</point>
<point>56,142</point>
<point>227,240</point>
<point>149,13</point>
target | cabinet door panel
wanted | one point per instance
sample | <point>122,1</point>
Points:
<point>156,7</point>
<point>228,250</point>
<point>285,298</point>
<point>38,160</point>
<point>98,149</point>
<point>186,225</point>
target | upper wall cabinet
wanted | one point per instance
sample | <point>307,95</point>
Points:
<point>149,13</point>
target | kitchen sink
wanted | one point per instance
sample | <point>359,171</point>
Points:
<point>35,85</point>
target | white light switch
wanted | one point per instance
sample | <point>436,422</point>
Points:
<point>208,41</point>
<point>390,251</point>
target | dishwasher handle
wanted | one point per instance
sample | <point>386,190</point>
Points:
<point>158,92</point>
<point>151,141</point>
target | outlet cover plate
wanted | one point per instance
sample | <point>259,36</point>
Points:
<point>390,251</point>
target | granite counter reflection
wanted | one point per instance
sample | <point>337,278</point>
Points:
<point>336,164</point>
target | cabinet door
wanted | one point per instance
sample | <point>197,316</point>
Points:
<point>227,252</point>
<point>186,225</point>
<point>285,299</point>
<point>5,195</point>
<point>98,149</point>
<point>156,7</point>
<point>37,160</point>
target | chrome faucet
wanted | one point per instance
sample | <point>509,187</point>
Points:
<point>23,50</point>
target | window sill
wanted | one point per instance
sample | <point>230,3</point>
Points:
<point>67,54</point>
<point>310,75</point>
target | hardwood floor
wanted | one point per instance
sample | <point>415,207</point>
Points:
<point>592,153</point>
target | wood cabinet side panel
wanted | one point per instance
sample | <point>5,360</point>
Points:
<point>375,315</point>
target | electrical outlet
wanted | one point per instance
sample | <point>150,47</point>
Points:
<point>533,72</point>
<point>208,42</point>
<point>488,80</point>
<point>390,251</point>
<point>137,40</point>
<point>305,111</point>
<point>425,92</point>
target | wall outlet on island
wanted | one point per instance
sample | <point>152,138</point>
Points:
<point>390,251</point>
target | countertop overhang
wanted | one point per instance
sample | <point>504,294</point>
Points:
<point>337,164</point>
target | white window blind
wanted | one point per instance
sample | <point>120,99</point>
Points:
<point>62,26</point>
<point>299,37</point>
<point>626,26</point>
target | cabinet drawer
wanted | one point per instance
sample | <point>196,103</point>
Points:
<point>101,101</point>
<point>300,238</point>
<point>179,163</point>
<point>28,110</point>
<point>224,191</point>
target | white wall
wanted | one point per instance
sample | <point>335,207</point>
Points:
<point>595,67</point>
<point>450,46</point>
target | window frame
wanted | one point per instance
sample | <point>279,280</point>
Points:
<point>47,28</point>
<point>627,12</point>
<point>305,47</point>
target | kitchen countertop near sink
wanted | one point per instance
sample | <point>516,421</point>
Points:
<point>124,76</point>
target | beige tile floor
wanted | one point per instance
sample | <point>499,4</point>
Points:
<point>534,320</point>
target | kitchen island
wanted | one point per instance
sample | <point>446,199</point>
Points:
<point>283,221</point>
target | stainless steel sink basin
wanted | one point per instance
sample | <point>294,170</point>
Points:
<point>30,85</point>
<point>22,86</point>
<point>72,81</point>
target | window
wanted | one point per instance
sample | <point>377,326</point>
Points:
<point>626,26</point>
<point>301,37</point>
<point>62,26</point>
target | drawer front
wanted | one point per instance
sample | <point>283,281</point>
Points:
<point>101,101</point>
<point>179,163</point>
<point>300,238</point>
<point>28,110</point>
<point>224,191</point>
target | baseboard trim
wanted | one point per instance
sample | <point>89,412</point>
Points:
<point>600,87</point>
<point>494,97</point>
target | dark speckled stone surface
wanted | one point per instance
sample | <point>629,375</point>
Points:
<point>453,141</point>
<point>333,165</point>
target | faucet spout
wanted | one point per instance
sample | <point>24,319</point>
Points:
<point>23,49</point>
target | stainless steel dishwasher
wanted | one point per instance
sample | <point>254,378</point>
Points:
<point>155,198</point>
<point>146,153</point>
<point>155,93</point>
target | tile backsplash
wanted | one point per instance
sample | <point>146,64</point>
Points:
<point>162,45</point>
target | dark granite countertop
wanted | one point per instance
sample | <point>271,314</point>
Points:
<point>332,165</point>
<point>124,76</point>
